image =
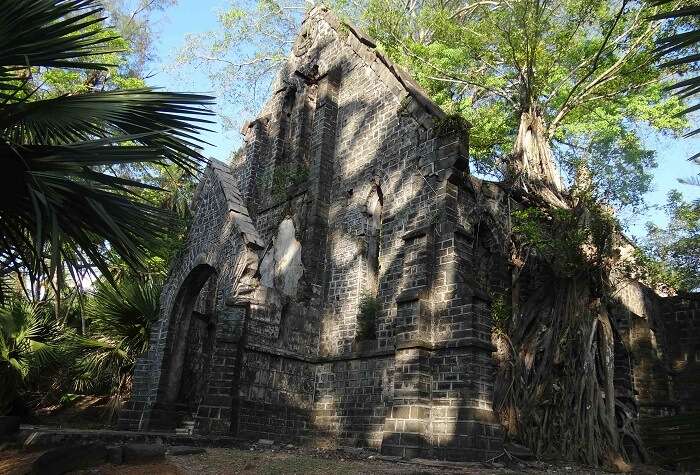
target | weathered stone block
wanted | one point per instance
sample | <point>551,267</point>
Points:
<point>139,453</point>
<point>60,460</point>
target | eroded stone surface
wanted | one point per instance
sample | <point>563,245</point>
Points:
<point>281,268</point>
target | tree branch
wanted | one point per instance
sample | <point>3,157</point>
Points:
<point>596,58</point>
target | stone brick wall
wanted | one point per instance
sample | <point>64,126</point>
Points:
<point>347,159</point>
<point>349,185</point>
<point>352,397</point>
<point>200,279</point>
<point>276,397</point>
<point>282,358</point>
<point>682,316</point>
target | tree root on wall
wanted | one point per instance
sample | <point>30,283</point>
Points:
<point>554,390</point>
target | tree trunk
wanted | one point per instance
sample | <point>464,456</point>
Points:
<point>532,166</point>
<point>555,387</point>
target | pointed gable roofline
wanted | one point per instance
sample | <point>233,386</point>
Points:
<point>395,78</point>
<point>221,173</point>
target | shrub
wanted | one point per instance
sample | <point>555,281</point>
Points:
<point>367,318</point>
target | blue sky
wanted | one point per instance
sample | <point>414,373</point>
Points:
<point>198,16</point>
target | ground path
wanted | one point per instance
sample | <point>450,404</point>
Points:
<point>293,460</point>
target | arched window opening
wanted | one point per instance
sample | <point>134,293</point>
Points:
<point>374,221</point>
<point>368,304</point>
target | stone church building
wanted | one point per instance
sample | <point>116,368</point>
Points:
<point>338,276</point>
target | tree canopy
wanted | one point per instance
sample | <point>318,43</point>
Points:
<point>586,71</point>
<point>674,249</point>
<point>587,68</point>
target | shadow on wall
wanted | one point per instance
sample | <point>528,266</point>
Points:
<point>406,391</point>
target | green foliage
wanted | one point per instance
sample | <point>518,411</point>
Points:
<point>30,342</point>
<point>618,166</point>
<point>62,203</point>
<point>655,273</point>
<point>173,191</point>
<point>242,56</point>
<point>501,311</point>
<point>101,169</point>
<point>586,67</point>
<point>555,235</point>
<point>572,241</point>
<point>55,82</point>
<point>452,123</point>
<point>119,321</point>
<point>344,30</point>
<point>369,309</point>
<point>679,48</point>
<point>39,353</point>
<point>285,178</point>
<point>672,254</point>
<point>133,19</point>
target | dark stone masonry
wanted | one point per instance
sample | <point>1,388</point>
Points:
<point>352,205</point>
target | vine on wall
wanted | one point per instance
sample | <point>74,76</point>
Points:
<point>284,179</point>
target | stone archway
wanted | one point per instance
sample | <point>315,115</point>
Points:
<point>178,330</point>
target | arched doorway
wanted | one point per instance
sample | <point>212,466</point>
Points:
<point>179,327</point>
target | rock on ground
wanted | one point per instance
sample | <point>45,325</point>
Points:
<point>139,453</point>
<point>60,460</point>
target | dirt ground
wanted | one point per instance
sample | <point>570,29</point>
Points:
<point>225,461</point>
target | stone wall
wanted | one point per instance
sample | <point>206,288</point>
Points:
<point>682,316</point>
<point>352,397</point>
<point>200,284</point>
<point>347,188</point>
<point>350,188</point>
<point>276,397</point>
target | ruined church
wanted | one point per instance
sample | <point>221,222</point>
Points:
<point>338,277</point>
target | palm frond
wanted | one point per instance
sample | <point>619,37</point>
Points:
<point>126,312</point>
<point>60,202</point>
<point>30,339</point>
<point>119,322</point>
<point>691,180</point>
<point>51,33</point>
<point>163,120</point>
<point>681,47</point>
<point>48,32</point>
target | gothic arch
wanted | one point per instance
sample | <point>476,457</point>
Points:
<point>178,327</point>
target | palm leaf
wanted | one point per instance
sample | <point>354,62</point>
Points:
<point>30,340</point>
<point>683,46</point>
<point>169,121</point>
<point>49,33</point>
<point>691,180</point>
<point>119,322</point>
<point>59,201</point>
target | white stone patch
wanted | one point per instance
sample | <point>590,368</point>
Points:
<point>267,268</point>
<point>281,267</point>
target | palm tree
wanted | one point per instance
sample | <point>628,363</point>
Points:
<point>681,48</point>
<point>58,203</point>
<point>119,320</point>
<point>30,339</point>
